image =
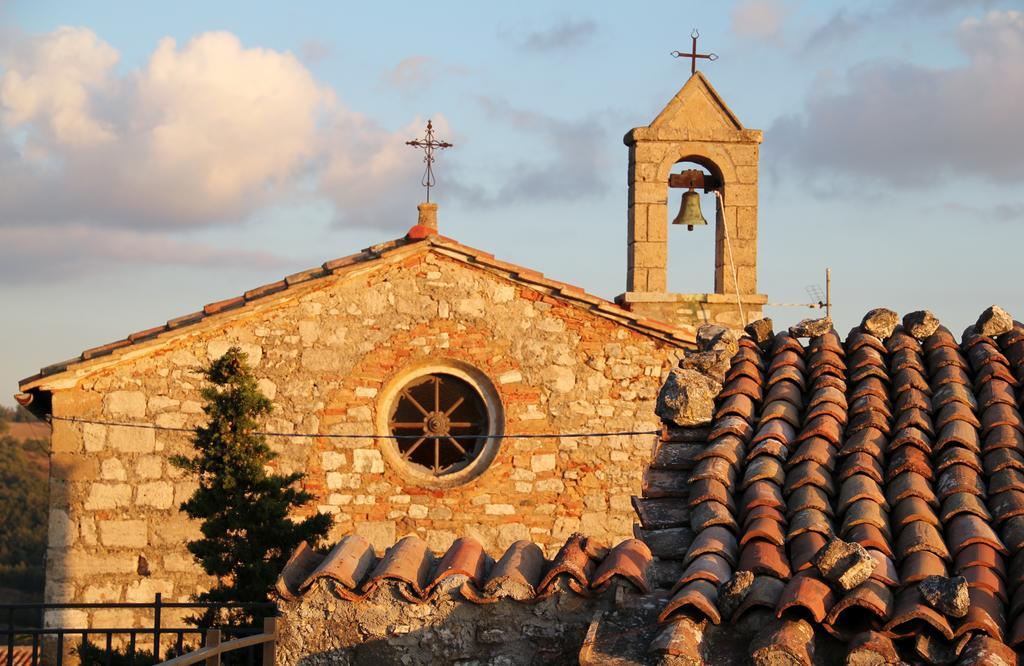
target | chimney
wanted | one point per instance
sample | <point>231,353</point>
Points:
<point>426,225</point>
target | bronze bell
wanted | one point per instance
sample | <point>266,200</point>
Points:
<point>689,211</point>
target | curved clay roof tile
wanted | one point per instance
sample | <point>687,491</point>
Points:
<point>963,503</point>
<point>912,509</point>
<point>699,597</point>
<point>742,385</point>
<point>809,593</point>
<point>846,618</point>
<point>910,612</point>
<point>1002,458</point>
<point>630,560</point>
<point>709,566</point>
<point>917,566</point>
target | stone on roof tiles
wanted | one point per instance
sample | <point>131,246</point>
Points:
<point>687,397</point>
<point>994,321</point>
<point>880,322</point>
<point>784,642</point>
<point>811,328</point>
<point>921,324</point>
<point>760,331</point>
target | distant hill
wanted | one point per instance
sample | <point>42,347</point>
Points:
<point>26,431</point>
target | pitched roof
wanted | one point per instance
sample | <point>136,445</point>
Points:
<point>911,447</point>
<point>520,573</point>
<point>366,259</point>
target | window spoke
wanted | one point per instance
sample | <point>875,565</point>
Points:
<point>458,402</point>
<point>416,404</point>
<point>454,443</point>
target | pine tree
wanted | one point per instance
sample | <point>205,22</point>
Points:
<point>247,533</point>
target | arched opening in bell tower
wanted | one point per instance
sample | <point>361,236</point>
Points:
<point>692,183</point>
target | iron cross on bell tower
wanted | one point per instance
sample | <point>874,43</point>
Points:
<point>693,55</point>
<point>428,143</point>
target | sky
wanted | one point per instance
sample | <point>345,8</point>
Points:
<point>155,157</point>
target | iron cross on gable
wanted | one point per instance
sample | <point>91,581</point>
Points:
<point>693,55</point>
<point>428,143</point>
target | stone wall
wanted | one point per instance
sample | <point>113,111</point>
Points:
<point>323,353</point>
<point>320,629</point>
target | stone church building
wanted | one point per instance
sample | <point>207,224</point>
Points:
<point>424,387</point>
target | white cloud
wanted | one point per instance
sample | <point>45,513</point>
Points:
<point>204,133</point>
<point>760,19</point>
<point>912,125</point>
<point>50,253</point>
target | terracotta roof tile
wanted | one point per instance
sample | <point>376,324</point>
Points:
<point>915,450</point>
<point>700,596</point>
<point>911,614</point>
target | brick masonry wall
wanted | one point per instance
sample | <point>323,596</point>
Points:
<point>323,355</point>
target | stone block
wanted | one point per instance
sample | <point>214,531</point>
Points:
<point>743,154</point>
<point>439,540</point>
<point>180,562</point>
<point>132,440</point>
<point>336,480</point>
<point>101,594</point>
<point>499,510</point>
<point>145,590</point>
<point>367,461</point>
<point>123,533</point>
<point>158,494</point>
<point>746,223</point>
<point>657,222</point>
<point>77,402</point>
<point>85,564</point>
<point>130,404</point>
<point>380,533</point>
<point>149,467</point>
<point>73,467</point>
<point>746,174</point>
<point>543,462</point>
<point>657,280</point>
<point>65,437</point>
<point>331,460</point>
<point>111,469</point>
<point>108,496</point>
<point>649,193</point>
<point>558,378</point>
<point>95,436</point>
<point>267,388</point>
<point>649,254</point>
<point>741,195</point>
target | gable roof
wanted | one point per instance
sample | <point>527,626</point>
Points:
<point>697,99</point>
<point>904,441</point>
<point>368,259</point>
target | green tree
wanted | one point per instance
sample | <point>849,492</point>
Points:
<point>23,505</point>
<point>247,532</point>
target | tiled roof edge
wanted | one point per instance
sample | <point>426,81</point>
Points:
<point>486,260</point>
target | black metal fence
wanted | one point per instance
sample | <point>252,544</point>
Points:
<point>26,624</point>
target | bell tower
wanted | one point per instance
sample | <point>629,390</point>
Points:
<point>696,127</point>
